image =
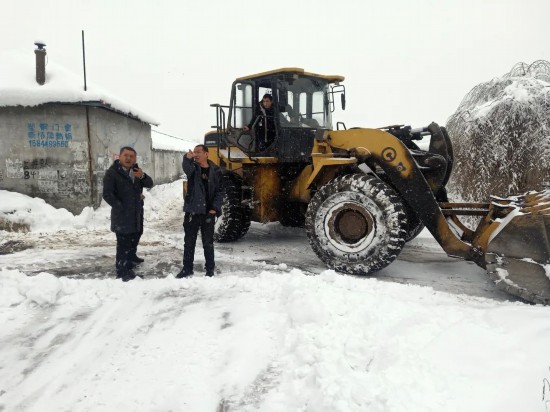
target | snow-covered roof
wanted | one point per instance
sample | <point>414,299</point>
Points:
<point>18,87</point>
<point>163,141</point>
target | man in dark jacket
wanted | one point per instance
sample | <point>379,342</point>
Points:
<point>122,189</point>
<point>264,122</point>
<point>202,204</point>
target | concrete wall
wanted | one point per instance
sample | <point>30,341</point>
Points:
<point>167,165</point>
<point>45,154</point>
<point>60,152</point>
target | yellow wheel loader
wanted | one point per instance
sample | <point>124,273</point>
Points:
<point>362,193</point>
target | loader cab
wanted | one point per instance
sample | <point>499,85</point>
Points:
<point>302,104</point>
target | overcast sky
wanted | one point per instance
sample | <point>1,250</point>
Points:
<point>405,61</point>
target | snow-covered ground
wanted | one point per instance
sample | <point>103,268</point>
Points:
<point>272,331</point>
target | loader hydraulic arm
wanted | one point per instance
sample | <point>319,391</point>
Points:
<point>395,159</point>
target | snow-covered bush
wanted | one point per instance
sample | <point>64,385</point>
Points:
<point>501,135</point>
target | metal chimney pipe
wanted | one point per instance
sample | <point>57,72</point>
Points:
<point>40,53</point>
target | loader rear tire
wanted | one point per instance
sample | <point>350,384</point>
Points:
<point>234,221</point>
<point>356,224</point>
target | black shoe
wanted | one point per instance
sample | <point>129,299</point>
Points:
<point>210,273</point>
<point>137,260</point>
<point>130,275</point>
<point>184,273</point>
<point>121,273</point>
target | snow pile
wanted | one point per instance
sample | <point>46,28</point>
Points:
<point>18,86</point>
<point>161,199</point>
<point>271,342</point>
<point>38,216</point>
<point>501,134</point>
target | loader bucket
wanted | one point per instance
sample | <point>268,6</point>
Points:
<point>518,252</point>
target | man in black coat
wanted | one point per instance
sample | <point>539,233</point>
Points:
<point>264,123</point>
<point>123,190</point>
<point>202,204</point>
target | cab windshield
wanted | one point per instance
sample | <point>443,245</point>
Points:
<point>298,101</point>
<point>303,102</point>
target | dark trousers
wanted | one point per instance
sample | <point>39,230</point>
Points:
<point>191,225</point>
<point>133,253</point>
<point>126,245</point>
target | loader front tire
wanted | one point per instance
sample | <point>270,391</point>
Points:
<point>356,224</point>
<point>234,221</point>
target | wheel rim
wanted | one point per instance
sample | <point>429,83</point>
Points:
<point>350,226</point>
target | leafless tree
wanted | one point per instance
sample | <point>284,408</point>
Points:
<point>501,135</point>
